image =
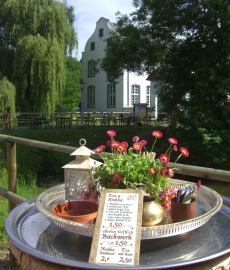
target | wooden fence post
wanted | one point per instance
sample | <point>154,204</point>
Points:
<point>11,169</point>
<point>12,184</point>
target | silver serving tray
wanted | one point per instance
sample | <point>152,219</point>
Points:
<point>209,203</point>
<point>33,233</point>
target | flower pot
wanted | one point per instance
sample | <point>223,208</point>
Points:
<point>182,211</point>
<point>78,211</point>
<point>153,211</point>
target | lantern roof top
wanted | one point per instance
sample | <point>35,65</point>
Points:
<point>82,150</point>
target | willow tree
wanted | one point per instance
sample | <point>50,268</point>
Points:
<point>38,33</point>
<point>7,95</point>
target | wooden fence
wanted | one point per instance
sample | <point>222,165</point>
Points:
<point>69,119</point>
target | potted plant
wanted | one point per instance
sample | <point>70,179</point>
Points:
<point>133,167</point>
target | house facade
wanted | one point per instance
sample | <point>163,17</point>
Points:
<point>98,94</point>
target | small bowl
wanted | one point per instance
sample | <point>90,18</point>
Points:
<point>78,211</point>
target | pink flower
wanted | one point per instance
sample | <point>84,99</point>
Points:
<point>153,171</point>
<point>163,172</point>
<point>92,187</point>
<point>102,182</point>
<point>125,144</point>
<point>135,139</point>
<point>174,147</point>
<point>111,133</point>
<point>157,134</point>
<point>85,195</point>
<point>109,143</point>
<point>114,144</point>
<point>199,184</point>
<point>173,141</point>
<point>120,148</point>
<point>137,146</point>
<point>169,171</point>
<point>164,158</point>
<point>93,197</point>
<point>100,149</point>
<point>184,152</point>
<point>143,142</point>
<point>115,178</point>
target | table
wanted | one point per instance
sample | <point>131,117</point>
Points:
<point>47,244</point>
<point>38,122</point>
<point>63,121</point>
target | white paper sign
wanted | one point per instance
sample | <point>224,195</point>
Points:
<point>117,237</point>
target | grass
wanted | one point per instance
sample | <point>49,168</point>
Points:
<point>24,190</point>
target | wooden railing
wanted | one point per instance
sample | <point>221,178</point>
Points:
<point>14,199</point>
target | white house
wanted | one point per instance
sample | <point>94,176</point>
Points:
<point>99,95</point>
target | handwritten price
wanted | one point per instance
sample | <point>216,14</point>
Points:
<point>121,243</point>
<point>115,225</point>
<point>103,259</point>
<point>126,260</point>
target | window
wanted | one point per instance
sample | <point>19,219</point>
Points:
<point>111,96</point>
<point>148,96</point>
<point>91,71</point>
<point>91,96</point>
<point>101,32</point>
<point>92,46</point>
<point>135,94</point>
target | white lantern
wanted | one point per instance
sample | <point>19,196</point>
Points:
<point>78,173</point>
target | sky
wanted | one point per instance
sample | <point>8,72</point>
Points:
<point>88,12</point>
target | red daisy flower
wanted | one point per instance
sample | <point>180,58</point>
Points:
<point>163,172</point>
<point>169,171</point>
<point>99,149</point>
<point>173,141</point>
<point>115,178</point>
<point>111,133</point>
<point>125,144</point>
<point>137,146</point>
<point>135,139</point>
<point>109,143</point>
<point>85,195</point>
<point>184,151</point>
<point>93,197</point>
<point>114,144</point>
<point>164,158</point>
<point>120,148</point>
<point>143,142</point>
<point>92,187</point>
<point>174,147</point>
<point>102,182</point>
<point>153,171</point>
<point>157,134</point>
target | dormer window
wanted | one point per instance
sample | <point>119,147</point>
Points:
<point>92,46</point>
<point>101,32</point>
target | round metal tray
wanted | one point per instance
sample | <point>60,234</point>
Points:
<point>209,203</point>
<point>34,234</point>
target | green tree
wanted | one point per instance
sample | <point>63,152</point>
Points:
<point>185,45</point>
<point>7,95</point>
<point>72,91</point>
<point>34,39</point>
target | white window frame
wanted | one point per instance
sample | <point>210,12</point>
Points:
<point>111,96</point>
<point>91,96</point>
<point>91,72</point>
<point>135,94</point>
<point>148,96</point>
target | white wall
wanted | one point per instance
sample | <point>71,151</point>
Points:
<point>123,88</point>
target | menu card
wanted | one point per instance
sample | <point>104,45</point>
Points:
<point>117,233</point>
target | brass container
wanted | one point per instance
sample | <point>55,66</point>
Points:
<point>153,212</point>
